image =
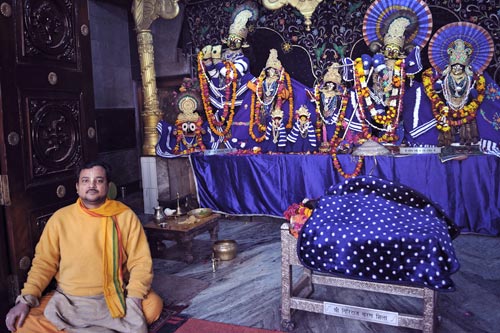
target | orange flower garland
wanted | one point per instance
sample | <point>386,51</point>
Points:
<point>255,120</point>
<point>446,116</point>
<point>336,140</point>
<point>230,89</point>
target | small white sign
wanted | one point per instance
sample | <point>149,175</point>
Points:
<point>419,150</point>
<point>355,312</point>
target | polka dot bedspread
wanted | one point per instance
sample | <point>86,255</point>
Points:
<point>372,229</point>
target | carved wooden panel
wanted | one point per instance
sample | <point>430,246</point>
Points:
<point>54,134</point>
<point>48,30</point>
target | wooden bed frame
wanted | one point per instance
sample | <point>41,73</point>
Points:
<point>294,296</point>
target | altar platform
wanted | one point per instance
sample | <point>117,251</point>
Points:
<point>467,190</point>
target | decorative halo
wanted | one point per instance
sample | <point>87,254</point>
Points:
<point>188,102</point>
<point>474,36</point>
<point>382,13</point>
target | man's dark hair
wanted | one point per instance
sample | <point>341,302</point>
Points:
<point>90,165</point>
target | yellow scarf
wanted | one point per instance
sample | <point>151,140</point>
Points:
<point>112,254</point>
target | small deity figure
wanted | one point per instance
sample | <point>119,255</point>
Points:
<point>224,74</point>
<point>302,136</point>
<point>275,136</point>
<point>395,34</point>
<point>456,85</point>
<point>272,90</point>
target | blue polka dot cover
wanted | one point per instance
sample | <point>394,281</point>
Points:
<point>373,229</point>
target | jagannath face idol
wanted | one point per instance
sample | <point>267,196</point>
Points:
<point>189,128</point>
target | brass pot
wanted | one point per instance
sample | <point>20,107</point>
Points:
<point>225,249</point>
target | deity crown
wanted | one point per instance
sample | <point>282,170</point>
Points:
<point>395,33</point>
<point>239,26</point>
<point>277,113</point>
<point>332,74</point>
<point>187,116</point>
<point>273,61</point>
<point>303,112</point>
<point>459,53</point>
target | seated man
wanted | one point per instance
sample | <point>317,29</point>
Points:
<point>97,251</point>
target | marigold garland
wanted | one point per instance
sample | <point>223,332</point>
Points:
<point>191,148</point>
<point>230,92</point>
<point>255,121</point>
<point>447,117</point>
<point>336,140</point>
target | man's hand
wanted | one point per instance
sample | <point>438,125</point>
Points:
<point>17,313</point>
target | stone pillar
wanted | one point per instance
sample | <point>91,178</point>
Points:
<point>145,12</point>
<point>151,113</point>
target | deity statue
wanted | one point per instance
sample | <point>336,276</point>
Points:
<point>224,74</point>
<point>455,85</point>
<point>330,98</point>
<point>302,136</point>
<point>188,134</point>
<point>271,91</point>
<point>275,138</point>
<point>384,81</point>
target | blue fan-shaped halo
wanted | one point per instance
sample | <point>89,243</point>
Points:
<point>474,36</point>
<point>382,13</point>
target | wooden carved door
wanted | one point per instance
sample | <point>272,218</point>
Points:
<point>47,121</point>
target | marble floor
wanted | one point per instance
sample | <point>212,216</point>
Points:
<point>246,290</point>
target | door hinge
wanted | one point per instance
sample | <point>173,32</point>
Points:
<point>13,285</point>
<point>4,190</point>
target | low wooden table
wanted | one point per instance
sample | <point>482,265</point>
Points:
<point>183,234</point>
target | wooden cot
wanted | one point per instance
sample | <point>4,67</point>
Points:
<point>294,296</point>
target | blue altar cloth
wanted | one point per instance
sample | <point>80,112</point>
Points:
<point>468,191</point>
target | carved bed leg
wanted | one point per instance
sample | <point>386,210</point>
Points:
<point>430,304</point>
<point>287,325</point>
<point>286,282</point>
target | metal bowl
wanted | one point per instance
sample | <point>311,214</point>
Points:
<point>200,212</point>
<point>225,249</point>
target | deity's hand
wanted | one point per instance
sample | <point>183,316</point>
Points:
<point>379,62</point>
<point>207,52</point>
<point>217,53</point>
